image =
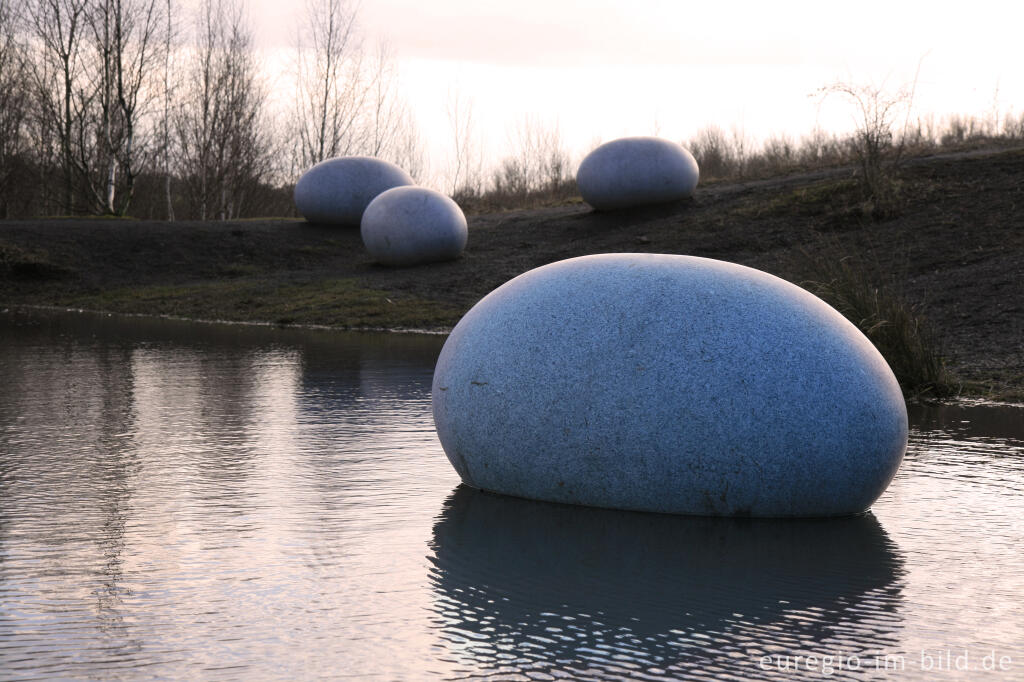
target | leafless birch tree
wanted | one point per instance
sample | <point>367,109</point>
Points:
<point>127,35</point>
<point>91,70</point>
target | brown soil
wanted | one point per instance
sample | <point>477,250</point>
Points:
<point>954,250</point>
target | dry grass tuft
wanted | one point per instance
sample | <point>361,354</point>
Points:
<point>896,327</point>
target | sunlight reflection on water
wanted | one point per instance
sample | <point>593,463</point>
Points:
<point>226,502</point>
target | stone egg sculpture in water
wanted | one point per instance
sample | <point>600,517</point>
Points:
<point>636,171</point>
<point>413,225</point>
<point>337,191</point>
<point>670,384</point>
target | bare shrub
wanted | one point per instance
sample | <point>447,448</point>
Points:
<point>710,147</point>
<point>820,150</point>
<point>875,144</point>
<point>1013,128</point>
<point>920,137</point>
<point>539,162</point>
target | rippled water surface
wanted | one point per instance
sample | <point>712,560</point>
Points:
<point>224,502</point>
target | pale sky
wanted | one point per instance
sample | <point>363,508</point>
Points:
<point>606,68</point>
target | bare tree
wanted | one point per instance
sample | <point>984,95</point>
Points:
<point>384,107</point>
<point>347,99</point>
<point>91,71</point>
<point>223,145</point>
<point>165,127</point>
<point>127,38</point>
<point>14,104</point>
<point>330,91</point>
<point>390,129</point>
<point>58,26</point>
<point>464,168</point>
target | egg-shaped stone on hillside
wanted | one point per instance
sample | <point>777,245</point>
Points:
<point>636,171</point>
<point>413,225</point>
<point>338,190</point>
<point>668,383</point>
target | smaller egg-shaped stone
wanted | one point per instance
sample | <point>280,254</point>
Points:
<point>338,190</point>
<point>636,171</point>
<point>413,225</point>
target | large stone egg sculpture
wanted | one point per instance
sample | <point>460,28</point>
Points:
<point>668,383</point>
<point>636,171</point>
<point>413,225</point>
<point>337,191</point>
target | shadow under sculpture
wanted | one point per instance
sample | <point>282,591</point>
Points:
<point>525,585</point>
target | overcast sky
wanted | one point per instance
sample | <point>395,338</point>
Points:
<point>606,68</point>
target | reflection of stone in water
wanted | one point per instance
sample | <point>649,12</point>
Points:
<point>523,585</point>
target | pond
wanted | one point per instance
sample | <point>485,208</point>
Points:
<point>229,502</point>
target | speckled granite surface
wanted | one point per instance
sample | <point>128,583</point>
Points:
<point>411,225</point>
<point>337,191</point>
<point>668,383</point>
<point>635,171</point>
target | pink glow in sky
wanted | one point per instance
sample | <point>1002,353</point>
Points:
<point>605,68</point>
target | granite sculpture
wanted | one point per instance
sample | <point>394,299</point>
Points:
<point>668,383</point>
<point>636,171</point>
<point>338,190</point>
<point>413,225</point>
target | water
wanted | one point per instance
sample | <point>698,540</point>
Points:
<point>224,502</point>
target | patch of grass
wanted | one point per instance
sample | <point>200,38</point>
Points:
<point>85,217</point>
<point>26,265</point>
<point>819,198</point>
<point>238,270</point>
<point>325,250</point>
<point>840,202</point>
<point>269,218</point>
<point>333,302</point>
<point>894,326</point>
<point>500,198</point>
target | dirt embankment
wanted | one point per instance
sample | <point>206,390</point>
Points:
<point>954,250</point>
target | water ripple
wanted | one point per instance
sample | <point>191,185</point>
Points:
<point>182,501</point>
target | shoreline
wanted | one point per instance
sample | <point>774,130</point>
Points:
<point>1013,400</point>
<point>953,254</point>
<point>19,307</point>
